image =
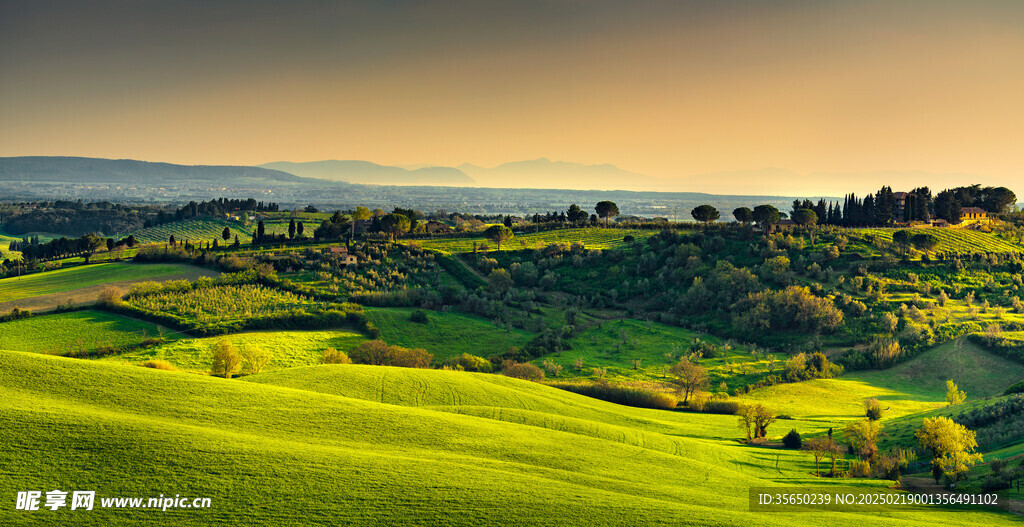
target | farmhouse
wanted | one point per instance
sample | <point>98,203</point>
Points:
<point>901,202</point>
<point>361,226</point>
<point>973,213</point>
<point>785,225</point>
<point>343,254</point>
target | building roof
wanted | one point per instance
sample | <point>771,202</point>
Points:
<point>973,210</point>
<point>900,195</point>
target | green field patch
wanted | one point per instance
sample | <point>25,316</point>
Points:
<point>288,349</point>
<point>76,331</point>
<point>64,280</point>
<point>591,238</point>
<point>953,240</point>
<point>445,334</point>
<point>221,304</point>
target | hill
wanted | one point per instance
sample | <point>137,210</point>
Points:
<point>365,172</point>
<point>543,172</point>
<point>270,454</point>
<point>96,171</point>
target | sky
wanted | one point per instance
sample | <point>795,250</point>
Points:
<point>705,95</point>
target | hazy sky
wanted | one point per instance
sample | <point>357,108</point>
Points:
<point>667,89</point>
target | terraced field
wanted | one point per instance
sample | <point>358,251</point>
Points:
<point>591,238</point>
<point>472,449</point>
<point>195,230</point>
<point>76,331</point>
<point>955,240</point>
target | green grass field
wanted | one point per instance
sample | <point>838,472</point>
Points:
<point>446,334</point>
<point>63,280</point>
<point>5,243</point>
<point>287,348</point>
<point>591,238</point>
<point>287,455</point>
<point>194,230</point>
<point>75,331</point>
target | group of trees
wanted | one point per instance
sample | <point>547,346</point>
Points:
<point>86,246</point>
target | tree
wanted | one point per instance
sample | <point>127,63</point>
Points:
<point>766,216</point>
<point>948,207</point>
<point>924,242</point>
<point>261,230</point>
<point>110,244</point>
<point>689,378</point>
<point>873,409</point>
<point>762,418</point>
<point>746,419</point>
<point>226,234</point>
<point>395,224</point>
<point>805,217</point>
<point>499,280</point>
<point>606,210</point>
<point>333,356</point>
<point>299,228</point>
<point>255,358</point>
<point>498,234</point>
<point>362,213</point>
<point>818,447</point>
<point>576,215</point>
<point>863,437</point>
<point>902,239</point>
<point>226,359</point>
<point>953,394</point>
<point>743,215</point>
<point>171,240</point>
<point>952,445</point>
<point>375,352</point>
<point>291,229</point>
<point>792,440</point>
<point>704,214</point>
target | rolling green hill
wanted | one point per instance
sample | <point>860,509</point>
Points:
<point>65,280</point>
<point>446,334</point>
<point>268,454</point>
<point>75,331</point>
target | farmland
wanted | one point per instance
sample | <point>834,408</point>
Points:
<point>194,230</point>
<point>953,240</point>
<point>77,331</point>
<point>220,304</point>
<point>591,238</point>
<point>589,462</point>
<point>445,334</point>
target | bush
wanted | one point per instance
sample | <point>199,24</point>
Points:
<point>792,440</point>
<point>159,365</point>
<point>624,395</point>
<point>873,409</point>
<point>226,359</point>
<point>419,316</point>
<point>333,356</point>
<point>721,407</point>
<point>1017,387</point>
<point>379,353</point>
<point>470,363</point>
<point>524,371</point>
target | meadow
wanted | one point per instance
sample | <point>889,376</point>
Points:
<point>445,334</point>
<point>72,278</point>
<point>76,331</point>
<point>590,237</point>
<point>288,349</point>
<point>558,458</point>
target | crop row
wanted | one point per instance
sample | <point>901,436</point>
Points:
<point>198,230</point>
<point>956,240</point>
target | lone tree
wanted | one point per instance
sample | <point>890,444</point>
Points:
<point>606,210</point>
<point>291,229</point>
<point>498,234</point>
<point>261,230</point>
<point>805,217</point>
<point>766,216</point>
<point>689,378</point>
<point>902,239</point>
<point>576,215</point>
<point>226,234</point>
<point>954,395</point>
<point>952,446</point>
<point>705,214</point>
<point>255,358</point>
<point>171,240</point>
<point>226,359</point>
<point>743,215</point>
<point>818,447</point>
<point>299,228</point>
<point>924,242</point>
<point>863,437</point>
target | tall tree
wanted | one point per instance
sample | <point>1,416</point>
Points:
<point>606,210</point>
<point>291,229</point>
<point>226,234</point>
<point>743,215</point>
<point>705,214</point>
<point>766,216</point>
<point>805,217</point>
<point>498,234</point>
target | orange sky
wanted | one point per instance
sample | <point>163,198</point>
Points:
<point>667,89</point>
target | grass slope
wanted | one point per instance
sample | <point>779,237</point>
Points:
<point>272,455</point>
<point>446,334</point>
<point>287,348</point>
<point>77,330</point>
<point>955,240</point>
<point>63,280</point>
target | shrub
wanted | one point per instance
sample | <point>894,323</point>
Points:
<point>873,409</point>
<point>721,407</point>
<point>524,371</point>
<point>470,363</point>
<point>255,358</point>
<point>226,359</point>
<point>379,353</point>
<point>333,356</point>
<point>552,368</point>
<point>624,395</point>
<point>159,365</point>
<point>860,468</point>
<point>419,316</point>
<point>792,440</point>
<point>111,296</point>
<point>1017,387</point>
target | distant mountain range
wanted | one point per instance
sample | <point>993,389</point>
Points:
<point>96,171</point>
<point>367,173</point>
